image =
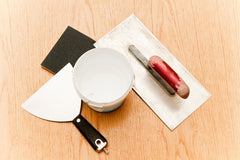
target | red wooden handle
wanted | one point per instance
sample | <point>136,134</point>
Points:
<point>170,76</point>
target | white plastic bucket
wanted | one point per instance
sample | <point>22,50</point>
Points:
<point>103,78</point>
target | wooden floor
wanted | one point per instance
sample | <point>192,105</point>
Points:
<point>203,35</point>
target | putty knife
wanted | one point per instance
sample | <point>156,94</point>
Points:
<point>58,101</point>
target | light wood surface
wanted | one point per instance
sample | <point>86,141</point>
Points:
<point>203,35</point>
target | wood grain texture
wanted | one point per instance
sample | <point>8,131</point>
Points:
<point>203,35</point>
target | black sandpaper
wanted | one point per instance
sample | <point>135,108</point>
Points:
<point>70,46</point>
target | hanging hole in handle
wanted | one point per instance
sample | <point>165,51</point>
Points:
<point>98,142</point>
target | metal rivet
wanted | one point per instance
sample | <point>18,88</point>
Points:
<point>78,120</point>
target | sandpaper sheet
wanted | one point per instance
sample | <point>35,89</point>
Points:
<point>172,110</point>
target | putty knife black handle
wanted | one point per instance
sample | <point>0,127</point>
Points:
<point>97,141</point>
